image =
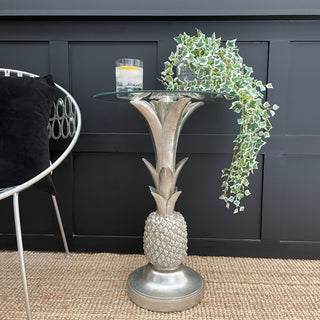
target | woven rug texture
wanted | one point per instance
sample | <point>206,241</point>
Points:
<point>93,287</point>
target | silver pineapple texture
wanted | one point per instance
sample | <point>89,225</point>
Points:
<point>165,240</point>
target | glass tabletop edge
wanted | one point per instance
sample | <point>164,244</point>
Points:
<point>101,94</point>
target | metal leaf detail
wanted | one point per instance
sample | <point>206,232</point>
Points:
<point>178,169</point>
<point>169,137</point>
<point>147,110</point>
<point>161,202</point>
<point>153,172</point>
<point>172,201</point>
<point>166,182</point>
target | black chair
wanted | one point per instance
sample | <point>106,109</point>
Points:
<point>64,123</point>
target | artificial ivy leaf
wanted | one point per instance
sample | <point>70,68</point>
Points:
<point>237,106</point>
<point>249,69</point>
<point>224,184</point>
<point>181,52</point>
<point>181,67</point>
<point>251,104</point>
<point>199,44</point>
<point>225,171</point>
<point>203,60</point>
<point>265,114</point>
<point>231,43</point>
<point>200,34</point>
<point>179,39</point>
<point>240,121</point>
<point>240,196</point>
<point>189,57</point>
<point>170,86</point>
<point>229,55</point>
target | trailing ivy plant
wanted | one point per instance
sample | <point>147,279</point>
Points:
<point>221,69</point>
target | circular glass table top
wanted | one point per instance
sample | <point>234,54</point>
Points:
<point>162,95</point>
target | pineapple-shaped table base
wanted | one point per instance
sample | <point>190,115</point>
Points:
<point>165,284</point>
<point>165,291</point>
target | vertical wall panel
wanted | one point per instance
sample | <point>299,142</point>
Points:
<point>92,67</point>
<point>301,218</point>
<point>205,213</point>
<point>115,198</point>
<point>303,95</point>
<point>29,56</point>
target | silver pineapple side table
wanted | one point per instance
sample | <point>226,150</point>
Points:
<point>165,284</point>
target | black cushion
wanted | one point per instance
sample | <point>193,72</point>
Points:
<point>25,106</point>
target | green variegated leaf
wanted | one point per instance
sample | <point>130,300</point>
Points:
<point>179,39</point>
<point>231,43</point>
<point>203,60</point>
<point>240,121</point>
<point>182,50</point>
<point>181,67</point>
<point>189,57</point>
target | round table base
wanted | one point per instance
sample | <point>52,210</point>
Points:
<point>165,291</point>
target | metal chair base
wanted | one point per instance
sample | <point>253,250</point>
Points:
<point>20,246</point>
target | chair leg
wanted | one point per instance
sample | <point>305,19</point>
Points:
<point>20,250</point>
<point>55,203</point>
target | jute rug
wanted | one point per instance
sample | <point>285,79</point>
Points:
<point>93,287</point>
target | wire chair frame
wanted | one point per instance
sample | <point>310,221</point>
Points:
<point>64,123</point>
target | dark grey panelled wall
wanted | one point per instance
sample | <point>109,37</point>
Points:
<point>103,187</point>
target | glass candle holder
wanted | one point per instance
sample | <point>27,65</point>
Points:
<point>129,75</point>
